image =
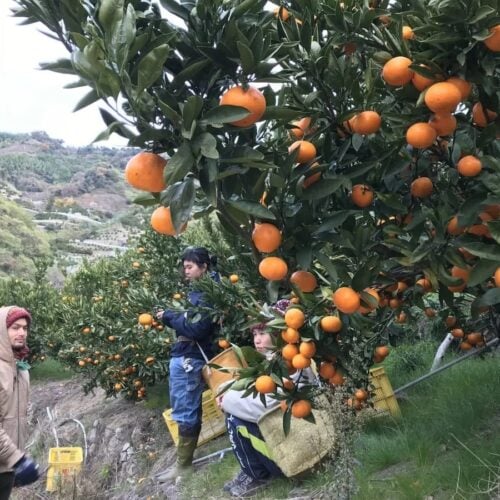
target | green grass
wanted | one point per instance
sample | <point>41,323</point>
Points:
<point>50,369</point>
<point>422,455</point>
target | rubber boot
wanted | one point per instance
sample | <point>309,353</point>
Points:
<point>183,465</point>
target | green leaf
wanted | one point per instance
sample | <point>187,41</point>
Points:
<point>146,199</point>
<point>225,114</point>
<point>110,12</point>
<point>189,72</point>
<point>282,113</point>
<point>494,227</point>
<point>206,144</point>
<point>324,188</point>
<point>180,198</point>
<point>175,8</point>
<point>252,208</point>
<point>170,113</point>
<point>87,100</point>
<point>246,58</point>
<point>484,250</point>
<point>482,12</point>
<point>243,154</point>
<point>63,66</point>
<point>151,67</point>
<point>180,164</point>
<point>490,298</point>
<point>191,111</point>
<point>335,220</point>
<point>482,271</point>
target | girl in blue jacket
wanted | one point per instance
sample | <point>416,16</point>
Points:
<point>187,360</point>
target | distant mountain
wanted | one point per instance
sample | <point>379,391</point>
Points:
<point>57,197</point>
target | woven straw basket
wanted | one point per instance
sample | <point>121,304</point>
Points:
<point>306,444</point>
<point>227,360</point>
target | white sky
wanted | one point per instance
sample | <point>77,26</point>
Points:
<point>35,100</point>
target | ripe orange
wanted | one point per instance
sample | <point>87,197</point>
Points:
<point>250,98</point>
<point>493,41</point>
<point>145,171</point>
<point>150,360</point>
<point>401,317</point>
<point>442,97</point>
<point>294,318</point>
<point>266,237</point>
<point>289,351</point>
<point>361,394</point>
<point>458,333</point>
<point>337,379</point>
<point>224,344</point>
<point>145,319</point>
<point>265,384</point>
<point>346,300</point>
<point>382,351</point>
<point>301,408</point>
<point>326,370</point>
<point>362,195</point>
<point>282,13</point>
<point>453,228</point>
<point>304,281</point>
<point>465,346</point>
<point>330,324</point>
<point>474,338</point>
<point>421,82</point>
<point>86,330</point>
<point>81,363</point>
<point>462,85</point>
<point>396,71</point>
<point>301,127</point>
<point>443,123</point>
<point>306,151</point>
<point>425,284</point>
<point>458,272</point>
<point>307,349</point>
<point>420,135</point>
<point>496,277</point>
<point>482,116</point>
<point>421,187</point>
<point>288,384</point>
<point>369,306</point>
<point>300,362</point>
<point>408,33</point>
<point>430,312</point>
<point>450,321</point>
<point>312,179</point>
<point>469,166</point>
<point>273,268</point>
<point>234,278</point>
<point>161,222</point>
<point>367,122</point>
<point>290,335</point>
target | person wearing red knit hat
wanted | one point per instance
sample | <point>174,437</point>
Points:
<point>16,468</point>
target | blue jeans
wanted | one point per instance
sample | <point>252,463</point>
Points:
<point>186,389</point>
<point>252,462</point>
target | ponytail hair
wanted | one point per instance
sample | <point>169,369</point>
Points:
<point>200,256</point>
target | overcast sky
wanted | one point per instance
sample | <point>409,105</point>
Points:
<point>34,100</point>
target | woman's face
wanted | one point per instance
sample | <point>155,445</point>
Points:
<point>193,271</point>
<point>262,340</point>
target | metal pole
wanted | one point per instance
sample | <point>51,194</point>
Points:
<point>447,365</point>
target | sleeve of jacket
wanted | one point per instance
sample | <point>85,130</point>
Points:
<point>9,453</point>
<point>181,323</point>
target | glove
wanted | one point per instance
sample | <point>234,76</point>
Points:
<point>25,472</point>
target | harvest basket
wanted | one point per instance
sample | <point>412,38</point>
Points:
<point>212,420</point>
<point>227,360</point>
<point>305,445</point>
<point>64,465</point>
<point>384,401</point>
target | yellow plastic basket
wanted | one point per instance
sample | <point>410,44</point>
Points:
<point>212,421</point>
<point>383,399</point>
<point>64,465</point>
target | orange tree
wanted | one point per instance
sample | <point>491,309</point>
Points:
<point>385,189</point>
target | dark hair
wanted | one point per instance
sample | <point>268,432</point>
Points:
<point>200,256</point>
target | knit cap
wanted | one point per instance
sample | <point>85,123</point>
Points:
<point>16,313</point>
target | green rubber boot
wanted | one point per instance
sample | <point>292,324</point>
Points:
<point>183,465</point>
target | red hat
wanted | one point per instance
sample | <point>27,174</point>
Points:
<point>16,313</point>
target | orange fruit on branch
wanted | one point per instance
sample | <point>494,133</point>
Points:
<point>330,324</point>
<point>234,278</point>
<point>306,151</point>
<point>307,349</point>
<point>362,195</point>
<point>145,171</point>
<point>365,309</point>
<point>224,344</point>
<point>469,166</point>
<point>421,82</point>
<point>301,408</point>
<point>482,116</point>
<point>421,187</point>
<point>282,13</point>
<point>496,277</point>
<point>294,318</point>
<point>273,268</point>
<point>301,127</point>
<point>407,33</point>
<point>289,351</point>
<point>304,281</point>
<point>493,41</point>
<point>290,335</point>
<point>326,370</point>
<point>463,274</point>
<point>249,98</point>
<point>442,97</point>
<point>346,300</point>
<point>361,394</point>
<point>396,71</point>
<point>266,237</point>
<point>161,222</point>
<point>300,362</point>
<point>421,135</point>
<point>264,384</point>
<point>458,333</point>
<point>443,123</point>
<point>462,85</point>
<point>367,122</point>
<point>145,319</point>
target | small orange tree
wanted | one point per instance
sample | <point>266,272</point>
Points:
<point>221,92</point>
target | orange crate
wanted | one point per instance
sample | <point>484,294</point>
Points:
<point>383,398</point>
<point>212,421</point>
<point>64,465</point>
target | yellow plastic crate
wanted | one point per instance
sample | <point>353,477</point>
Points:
<point>383,399</point>
<point>64,465</point>
<point>212,420</point>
